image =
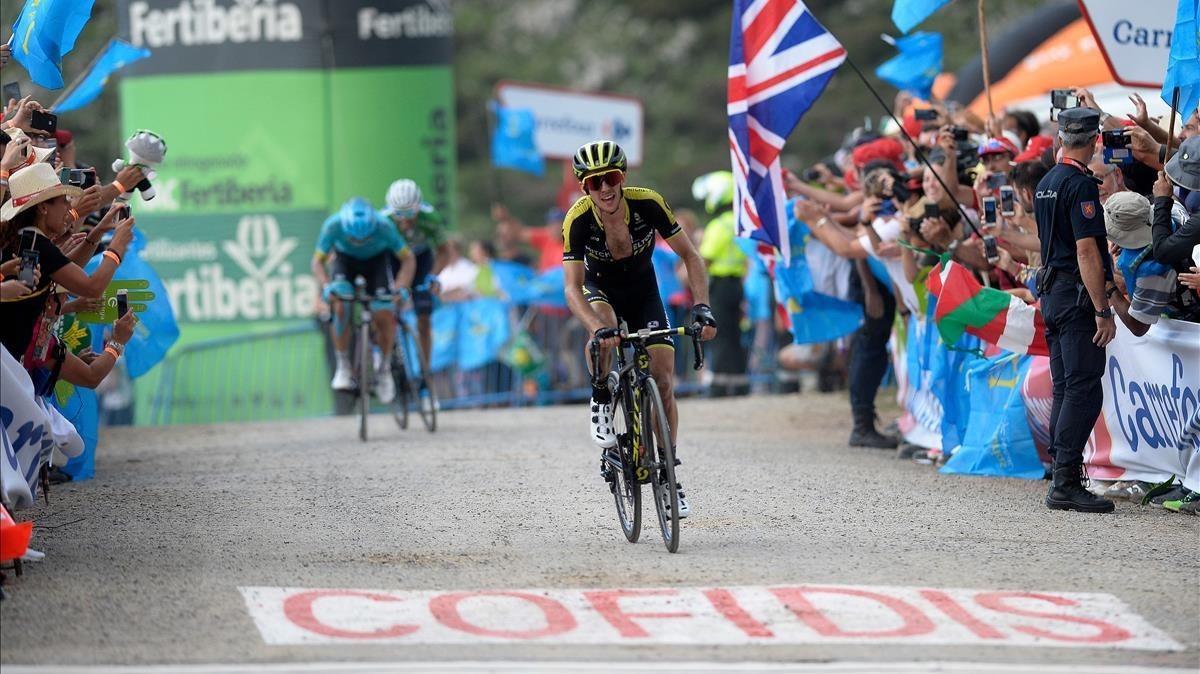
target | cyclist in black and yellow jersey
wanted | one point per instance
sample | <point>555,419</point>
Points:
<point>608,241</point>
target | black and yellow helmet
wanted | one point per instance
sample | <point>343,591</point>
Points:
<point>598,156</point>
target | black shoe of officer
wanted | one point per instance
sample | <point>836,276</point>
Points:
<point>865,435</point>
<point>1068,493</point>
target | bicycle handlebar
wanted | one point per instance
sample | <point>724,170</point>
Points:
<point>692,331</point>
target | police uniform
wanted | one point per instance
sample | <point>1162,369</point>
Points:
<point>1067,209</point>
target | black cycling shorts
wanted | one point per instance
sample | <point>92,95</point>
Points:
<point>374,270</point>
<point>634,305</point>
<point>422,299</point>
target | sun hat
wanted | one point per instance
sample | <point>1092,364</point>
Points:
<point>1184,167</point>
<point>31,186</point>
<point>1127,220</point>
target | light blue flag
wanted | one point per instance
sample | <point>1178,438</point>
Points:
<point>46,31</point>
<point>516,280</point>
<point>664,261</point>
<point>513,145</point>
<point>483,329</point>
<point>916,66</point>
<point>82,409</point>
<point>550,289</point>
<point>156,330</point>
<point>815,317</point>
<point>116,55</point>
<point>1183,65</point>
<point>997,440</point>
<point>907,14</point>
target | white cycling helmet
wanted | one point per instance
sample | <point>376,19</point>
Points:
<point>404,197</point>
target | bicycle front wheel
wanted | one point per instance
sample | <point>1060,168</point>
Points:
<point>656,441</point>
<point>364,379</point>
<point>403,383</point>
<point>427,403</point>
<point>627,491</point>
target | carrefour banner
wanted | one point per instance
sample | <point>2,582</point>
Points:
<point>274,113</point>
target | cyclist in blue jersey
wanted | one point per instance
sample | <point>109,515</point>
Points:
<point>364,243</point>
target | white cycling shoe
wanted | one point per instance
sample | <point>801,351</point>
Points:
<point>602,425</point>
<point>684,508</point>
<point>385,386</point>
<point>342,380</point>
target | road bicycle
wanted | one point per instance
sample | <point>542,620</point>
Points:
<point>410,389</point>
<point>411,374</point>
<point>643,453</point>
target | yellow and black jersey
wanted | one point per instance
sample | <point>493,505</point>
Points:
<point>583,236</point>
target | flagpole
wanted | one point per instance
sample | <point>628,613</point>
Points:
<point>1171,127</point>
<point>80,77</point>
<point>920,154</point>
<point>987,70</point>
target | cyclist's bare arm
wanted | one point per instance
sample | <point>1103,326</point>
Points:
<point>318,269</point>
<point>697,272</point>
<point>408,268</point>
<point>573,287</point>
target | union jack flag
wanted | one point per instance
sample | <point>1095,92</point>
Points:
<point>780,59</point>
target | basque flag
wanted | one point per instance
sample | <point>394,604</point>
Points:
<point>780,59</point>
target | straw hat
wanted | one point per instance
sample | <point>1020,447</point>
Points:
<point>31,186</point>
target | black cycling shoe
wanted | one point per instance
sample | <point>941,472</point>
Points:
<point>869,437</point>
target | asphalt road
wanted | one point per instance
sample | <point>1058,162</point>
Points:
<point>146,564</point>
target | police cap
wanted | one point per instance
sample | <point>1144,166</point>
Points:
<point>1079,120</point>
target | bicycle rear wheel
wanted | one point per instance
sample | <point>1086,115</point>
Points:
<point>627,491</point>
<point>427,403</point>
<point>364,378</point>
<point>656,434</point>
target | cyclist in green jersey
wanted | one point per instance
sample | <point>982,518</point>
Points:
<point>608,241</point>
<point>425,231</point>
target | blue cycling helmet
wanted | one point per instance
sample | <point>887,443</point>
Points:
<point>358,218</point>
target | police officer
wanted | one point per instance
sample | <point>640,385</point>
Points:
<point>1075,286</point>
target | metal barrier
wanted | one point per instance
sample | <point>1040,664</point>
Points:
<point>284,374</point>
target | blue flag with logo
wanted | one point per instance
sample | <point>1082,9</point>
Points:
<point>513,143</point>
<point>1183,65</point>
<point>907,14</point>
<point>550,289</point>
<point>82,409</point>
<point>664,260</point>
<point>816,317</point>
<point>916,66</point>
<point>116,55</point>
<point>515,280</point>
<point>483,329</point>
<point>997,440</point>
<point>46,31</point>
<point>156,330</point>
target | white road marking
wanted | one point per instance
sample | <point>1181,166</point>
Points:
<point>747,615</point>
<point>538,667</point>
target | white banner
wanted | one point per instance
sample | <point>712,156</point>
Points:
<point>567,119</point>
<point>1135,38</point>
<point>1149,427</point>
<point>31,431</point>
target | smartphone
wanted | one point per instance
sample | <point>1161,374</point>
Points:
<point>12,92</point>
<point>122,303</point>
<point>1008,201</point>
<point>1060,99</point>
<point>932,211</point>
<point>995,180</point>
<point>990,249</point>
<point>29,263</point>
<point>44,121</point>
<point>989,210</point>
<point>1116,140</point>
<point>925,114</point>
<point>83,178</point>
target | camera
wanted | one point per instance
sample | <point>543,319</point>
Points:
<point>989,211</point>
<point>811,175</point>
<point>1008,199</point>
<point>1116,140</point>
<point>1060,99</point>
<point>932,211</point>
<point>925,114</point>
<point>990,250</point>
<point>961,134</point>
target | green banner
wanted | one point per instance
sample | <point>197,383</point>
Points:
<point>274,113</point>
